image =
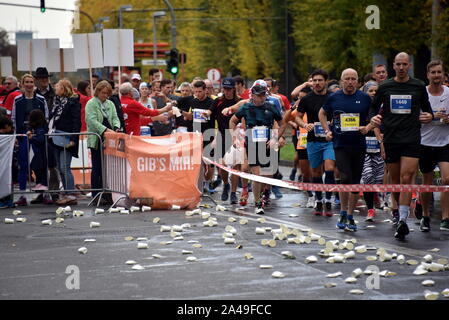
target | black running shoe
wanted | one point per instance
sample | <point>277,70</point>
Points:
<point>402,230</point>
<point>424,225</point>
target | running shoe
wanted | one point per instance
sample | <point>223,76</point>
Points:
<point>310,202</point>
<point>47,200</point>
<point>402,230</point>
<point>444,225</point>
<point>341,224</point>
<point>225,194</point>
<point>292,174</point>
<point>244,197</point>
<point>22,202</point>
<point>266,197</point>
<point>318,209</point>
<point>424,225</point>
<point>351,226</point>
<point>216,183</point>
<point>328,209</point>
<point>234,199</point>
<point>395,214</point>
<point>259,208</point>
<point>370,215</point>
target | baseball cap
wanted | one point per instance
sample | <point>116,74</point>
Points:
<point>259,87</point>
<point>228,83</point>
<point>144,84</point>
<point>136,76</point>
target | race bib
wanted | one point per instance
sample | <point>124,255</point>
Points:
<point>350,122</point>
<point>302,139</point>
<point>259,134</point>
<point>401,104</point>
<point>318,130</point>
<point>372,145</point>
<point>198,116</point>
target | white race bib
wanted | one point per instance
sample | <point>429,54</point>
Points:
<point>318,130</point>
<point>198,116</point>
<point>259,134</point>
<point>372,145</point>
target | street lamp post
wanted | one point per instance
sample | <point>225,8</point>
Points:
<point>157,14</point>
<point>99,25</point>
<point>127,7</point>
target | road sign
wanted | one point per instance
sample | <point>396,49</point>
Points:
<point>150,62</point>
<point>214,75</point>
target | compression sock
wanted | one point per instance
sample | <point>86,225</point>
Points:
<point>329,179</point>
<point>318,194</point>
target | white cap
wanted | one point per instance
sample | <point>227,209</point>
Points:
<point>143,84</point>
<point>136,76</point>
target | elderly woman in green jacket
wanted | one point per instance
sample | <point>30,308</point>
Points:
<point>101,117</point>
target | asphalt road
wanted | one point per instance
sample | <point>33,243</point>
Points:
<point>35,257</point>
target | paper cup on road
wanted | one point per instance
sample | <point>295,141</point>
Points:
<point>21,219</point>
<point>349,255</point>
<point>67,209</point>
<point>428,283</point>
<point>357,273</point>
<point>177,228</point>
<point>16,212</point>
<point>78,213</point>
<point>311,259</point>
<point>9,221</point>
<point>231,229</point>
<point>445,293</point>
<point>134,208</point>
<point>229,241</point>
<point>59,220</point>
<point>82,250</point>
<point>351,280</point>
<point>156,220</point>
<point>334,275</point>
<point>356,291</point>
<point>60,210</point>
<point>124,211</point>
<point>260,230</point>
<point>400,259</point>
<point>99,211</point>
<point>277,274</point>
<point>94,224</point>
<point>431,295</point>
<point>175,207</point>
<point>90,240</point>
<point>428,258</point>
<point>205,215</point>
<point>130,262</point>
<point>142,245</point>
<point>137,267</point>
<point>191,259</point>
<point>47,222</point>
<point>165,229</point>
<point>146,208</point>
<point>266,266</point>
<point>220,208</point>
<point>232,219</point>
<point>114,210</point>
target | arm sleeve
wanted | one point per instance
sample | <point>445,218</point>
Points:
<point>91,118</point>
<point>425,104</point>
<point>140,109</point>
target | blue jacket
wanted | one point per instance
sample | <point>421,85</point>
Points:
<point>19,111</point>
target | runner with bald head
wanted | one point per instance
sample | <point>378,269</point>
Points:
<point>349,112</point>
<point>401,105</point>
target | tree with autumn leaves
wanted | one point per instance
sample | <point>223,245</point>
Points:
<point>249,37</point>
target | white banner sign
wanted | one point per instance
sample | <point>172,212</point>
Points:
<point>6,149</point>
<point>88,50</point>
<point>6,66</point>
<point>118,47</point>
<point>32,54</point>
<point>54,60</point>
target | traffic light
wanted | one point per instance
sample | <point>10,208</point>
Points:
<point>42,6</point>
<point>172,62</point>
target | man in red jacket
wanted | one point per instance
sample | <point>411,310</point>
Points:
<point>132,110</point>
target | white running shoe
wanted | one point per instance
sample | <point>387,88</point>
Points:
<point>310,202</point>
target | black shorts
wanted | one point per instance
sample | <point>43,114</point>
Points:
<point>431,156</point>
<point>394,151</point>
<point>350,163</point>
<point>259,155</point>
<point>302,153</point>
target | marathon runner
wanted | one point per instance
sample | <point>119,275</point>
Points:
<point>319,151</point>
<point>349,109</point>
<point>260,117</point>
<point>397,105</point>
<point>435,144</point>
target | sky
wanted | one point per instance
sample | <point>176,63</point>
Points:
<point>51,24</point>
